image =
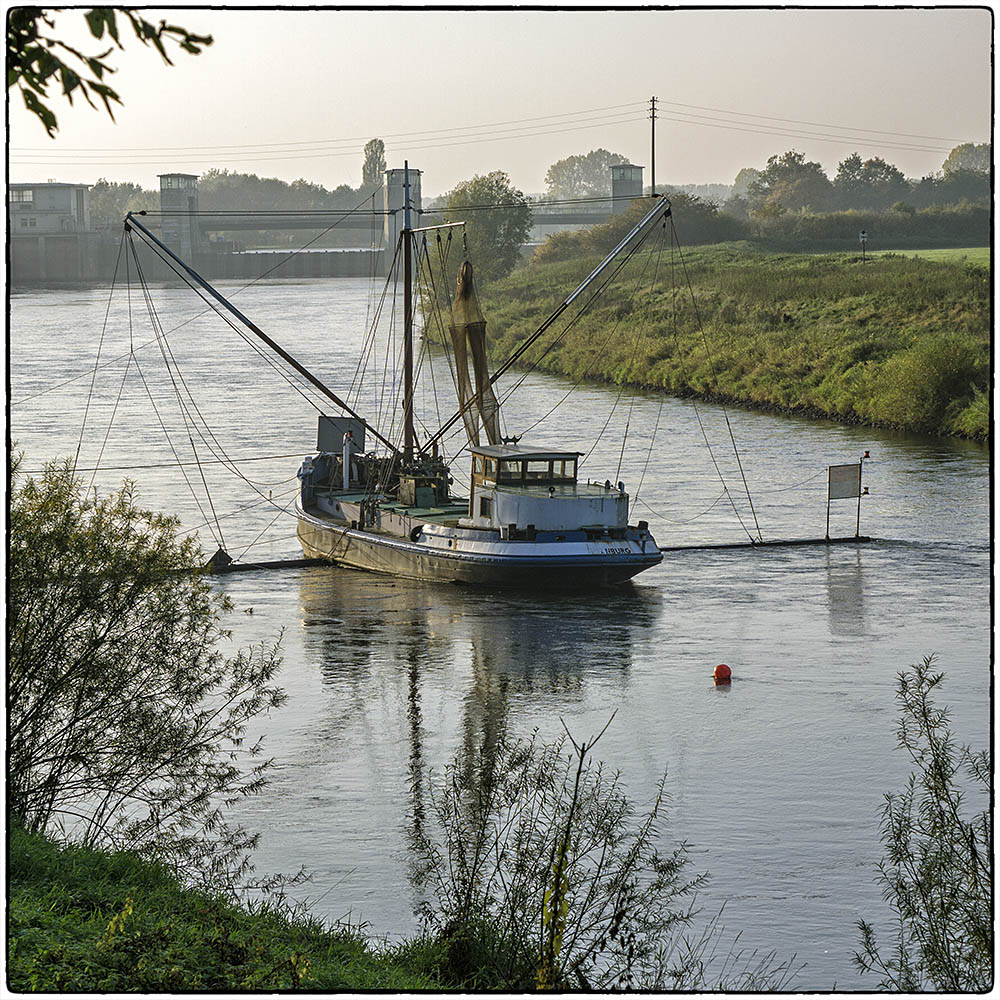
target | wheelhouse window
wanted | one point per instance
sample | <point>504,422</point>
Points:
<point>537,470</point>
<point>510,470</point>
<point>564,469</point>
<point>485,506</point>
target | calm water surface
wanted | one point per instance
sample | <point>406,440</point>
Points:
<point>776,782</point>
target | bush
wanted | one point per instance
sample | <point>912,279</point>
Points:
<point>540,878</point>
<point>937,874</point>
<point>126,727</point>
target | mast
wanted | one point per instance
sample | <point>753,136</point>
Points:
<point>660,209</point>
<point>408,435</point>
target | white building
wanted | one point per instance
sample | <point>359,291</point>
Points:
<point>40,209</point>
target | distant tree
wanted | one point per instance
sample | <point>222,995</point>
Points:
<point>36,59</point>
<point>582,176</point>
<point>373,170</point>
<point>110,200</point>
<point>498,221</point>
<point>968,156</point>
<point>743,181</point>
<point>792,182</point>
<point>870,184</point>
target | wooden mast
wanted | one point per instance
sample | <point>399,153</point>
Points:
<point>408,435</point>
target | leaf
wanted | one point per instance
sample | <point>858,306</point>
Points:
<point>35,106</point>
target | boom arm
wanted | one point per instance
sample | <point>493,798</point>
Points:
<point>130,220</point>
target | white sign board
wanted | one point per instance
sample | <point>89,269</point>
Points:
<point>845,481</point>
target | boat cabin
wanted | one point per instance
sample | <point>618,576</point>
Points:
<point>519,489</point>
<point>512,466</point>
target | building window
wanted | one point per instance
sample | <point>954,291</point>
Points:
<point>22,194</point>
<point>31,223</point>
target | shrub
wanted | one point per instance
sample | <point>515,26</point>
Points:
<point>937,875</point>
<point>541,876</point>
<point>125,725</point>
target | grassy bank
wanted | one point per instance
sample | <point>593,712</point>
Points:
<point>85,921</point>
<point>897,342</point>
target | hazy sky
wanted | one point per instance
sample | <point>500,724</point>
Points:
<point>297,93</point>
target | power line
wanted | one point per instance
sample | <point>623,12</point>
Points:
<point>798,121</point>
<point>525,132</point>
<point>431,133</point>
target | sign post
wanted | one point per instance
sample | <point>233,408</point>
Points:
<point>864,242</point>
<point>844,483</point>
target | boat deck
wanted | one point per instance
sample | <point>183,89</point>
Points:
<point>437,515</point>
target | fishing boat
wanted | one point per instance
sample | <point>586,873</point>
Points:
<point>370,503</point>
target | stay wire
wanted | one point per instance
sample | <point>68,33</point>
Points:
<point>621,387</point>
<point>186,417</point>
<point>226,461</point>
<point>635,353</point>
<point>100,345</point>
<point>697,412</point>
<point>608,279</point>
<point>121,387</point>
<point>217,309</point>
<point>715,379</point>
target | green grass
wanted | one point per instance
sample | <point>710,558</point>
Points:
<point>980,256</point>
<point>898,342</point>
<point>81,920</point>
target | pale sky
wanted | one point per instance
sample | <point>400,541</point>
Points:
<point>297,93</point>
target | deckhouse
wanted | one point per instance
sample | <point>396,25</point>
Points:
<point>520,491</point>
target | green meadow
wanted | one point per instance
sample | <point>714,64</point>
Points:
<point>899,341</point>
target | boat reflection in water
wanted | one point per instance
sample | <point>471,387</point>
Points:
<point>474,661</point>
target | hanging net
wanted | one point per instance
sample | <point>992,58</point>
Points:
<point>468,336</point>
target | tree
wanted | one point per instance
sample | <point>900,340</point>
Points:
<point>793,183</point>
<point>582,176</point>
<point>938,872</point>
<point>741,185</point>
<point>124,721</point>
<point>871,184</point>
<point>373,170</point>
<point>36,59</point>
<point>969,156</point>
<point>498,221</point>
<point>110,200</point>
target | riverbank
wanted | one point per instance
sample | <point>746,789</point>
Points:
<point>895,341</point>
<point>82,920</point>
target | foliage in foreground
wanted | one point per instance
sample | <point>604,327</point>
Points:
<point>937,873</point>
<point>37,58</point>
<point>894,342</point>
<point>82,920</point>
<point>126,726</point>
<point>538,877</point>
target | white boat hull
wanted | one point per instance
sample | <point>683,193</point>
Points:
<point>488,560</point>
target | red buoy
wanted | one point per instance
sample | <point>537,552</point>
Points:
<point>723,675</point>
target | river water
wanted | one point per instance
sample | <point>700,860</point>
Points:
<point>775,782</point>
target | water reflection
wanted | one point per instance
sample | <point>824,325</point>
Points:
<point>845,593</point>
<point>481,653</point>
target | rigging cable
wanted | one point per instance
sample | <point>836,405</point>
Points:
<point>100,345</point>
<point>121,387</point>
<point>185,415</point>
<point>635,352</point>
<point>715,379</point>
<point>697,412</point>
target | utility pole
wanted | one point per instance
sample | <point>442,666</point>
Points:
<point>652,145</point>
